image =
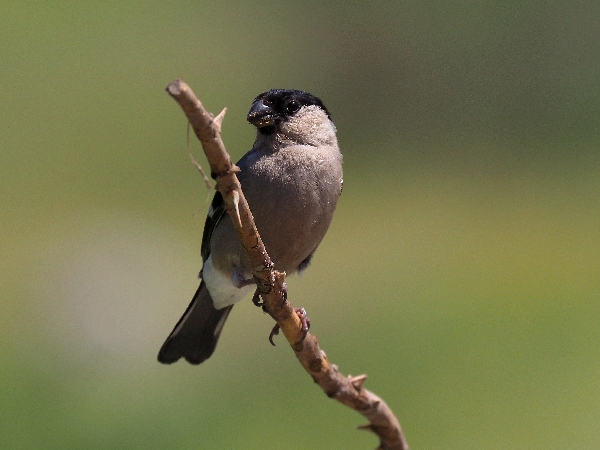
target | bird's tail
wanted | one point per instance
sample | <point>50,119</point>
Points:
<point>196,334</point>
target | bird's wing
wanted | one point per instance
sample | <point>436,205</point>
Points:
<point>215,214</point>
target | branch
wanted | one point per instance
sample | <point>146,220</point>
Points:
<point>346,390</point>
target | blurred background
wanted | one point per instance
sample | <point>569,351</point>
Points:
<point>461,272</point>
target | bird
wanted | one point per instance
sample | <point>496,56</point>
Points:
<point>292,179</point>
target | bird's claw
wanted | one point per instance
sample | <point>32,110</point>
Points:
<point>256,299</point>
<point>274,332</point>
<point>305,321</point>
<point>305,326</point>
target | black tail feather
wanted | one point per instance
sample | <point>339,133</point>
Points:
<point>196,334</point>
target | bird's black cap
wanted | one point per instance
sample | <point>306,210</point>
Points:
<point>274,106</point>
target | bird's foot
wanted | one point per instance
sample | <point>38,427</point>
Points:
<point>304,320</point>
<point>256,299</point>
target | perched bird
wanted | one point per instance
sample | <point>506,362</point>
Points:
<point>292,179</point>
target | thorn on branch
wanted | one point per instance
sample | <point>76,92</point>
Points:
<point>357,381</point>
<point>235,203</point>
<point>218,120</point>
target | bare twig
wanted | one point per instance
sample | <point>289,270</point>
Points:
<point>347,390</point>
<point>201,170</point>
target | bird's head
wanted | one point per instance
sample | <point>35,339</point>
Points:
<point>293,114</point>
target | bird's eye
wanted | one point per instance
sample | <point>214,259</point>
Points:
<point>292,106</point>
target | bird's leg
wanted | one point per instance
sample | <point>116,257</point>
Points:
<point>304,320</point>
<point>239,280</point>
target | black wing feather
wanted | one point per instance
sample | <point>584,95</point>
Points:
<point>214,216</point>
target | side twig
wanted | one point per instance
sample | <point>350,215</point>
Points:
<point>347,390</point>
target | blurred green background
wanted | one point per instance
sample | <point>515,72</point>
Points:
<point>461,272</point>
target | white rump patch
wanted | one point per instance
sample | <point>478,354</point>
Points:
<point>221,286</point>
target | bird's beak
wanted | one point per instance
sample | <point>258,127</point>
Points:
<point>261,115</point>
